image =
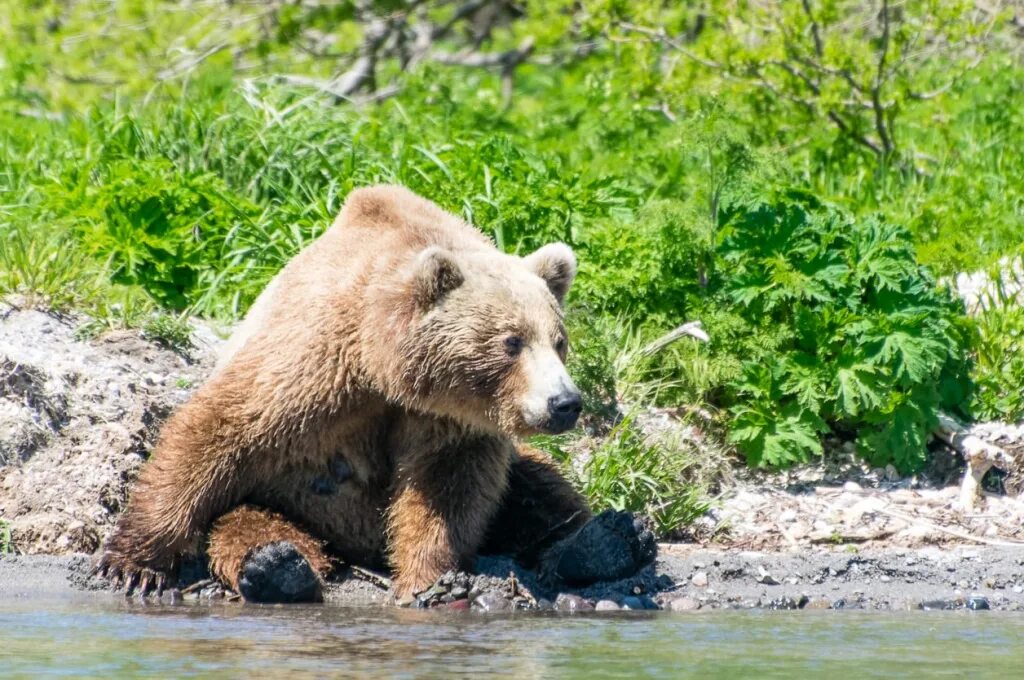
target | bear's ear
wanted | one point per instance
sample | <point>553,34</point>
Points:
<point>436,274</point>
<point>556,264</point>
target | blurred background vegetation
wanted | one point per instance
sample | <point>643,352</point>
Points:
<point>804,177</point>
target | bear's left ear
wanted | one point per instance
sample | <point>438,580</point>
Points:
<point>556,264</point>
<point>436,274</point>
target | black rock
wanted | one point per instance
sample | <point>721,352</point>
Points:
<point>279,573</point>
<point>977,603</point>
<point>634,603</point>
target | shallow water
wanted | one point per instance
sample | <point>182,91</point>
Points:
<point>93,639</point>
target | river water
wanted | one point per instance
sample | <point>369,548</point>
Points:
<point>122,639</point>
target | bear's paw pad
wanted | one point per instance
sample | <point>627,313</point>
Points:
<point>279,573</point>
<point>609,547</point>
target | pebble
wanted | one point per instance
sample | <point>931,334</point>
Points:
<point>977,603</point>
<point>818,603</point>
<point>787,515</point>
<point>572,603</point>
<point>700,579</point>
<point>682,604</point>
<point>491,601</point>
<point>852,487</point>
<point>788,603</point>
<point>607,606</point>
<point>764,578</point>
<point>633,603</point>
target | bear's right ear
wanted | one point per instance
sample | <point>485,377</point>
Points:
<point>437,274</point>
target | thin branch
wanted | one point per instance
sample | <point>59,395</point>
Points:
<point>819,47</point>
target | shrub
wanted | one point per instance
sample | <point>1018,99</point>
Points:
<point>867,345</point>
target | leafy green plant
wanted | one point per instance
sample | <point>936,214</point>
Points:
<point>871,346</point>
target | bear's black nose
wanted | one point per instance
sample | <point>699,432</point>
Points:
<point>564,409</point>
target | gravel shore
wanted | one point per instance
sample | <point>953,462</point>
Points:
<point>684,578</point>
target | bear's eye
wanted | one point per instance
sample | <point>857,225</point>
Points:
<point>560,345</point>
<point>514,345</point>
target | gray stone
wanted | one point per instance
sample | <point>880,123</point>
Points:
<point>682,604</point>
<point>567,602</point>
<point>606,606</point>
<point>492,601</point>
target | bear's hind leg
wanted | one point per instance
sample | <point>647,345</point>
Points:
<point>544,522</point>
<point>266,558</point>
<point>540,507</point>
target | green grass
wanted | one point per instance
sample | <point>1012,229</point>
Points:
<point>6,544</point>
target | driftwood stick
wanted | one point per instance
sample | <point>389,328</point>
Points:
<point>692,329</point>
<point>981,456</point>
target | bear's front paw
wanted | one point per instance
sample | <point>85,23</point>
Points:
<point>609,547</point>
<point>122,570</point>
<point>279,573</point>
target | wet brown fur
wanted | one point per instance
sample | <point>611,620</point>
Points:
<point>379,345</point>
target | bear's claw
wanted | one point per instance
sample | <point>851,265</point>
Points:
<point>122,572</point>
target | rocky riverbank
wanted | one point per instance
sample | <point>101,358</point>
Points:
<point>77,417</point>
<point>684,578</point>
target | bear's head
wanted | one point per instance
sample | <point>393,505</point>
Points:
<point>483,339</point>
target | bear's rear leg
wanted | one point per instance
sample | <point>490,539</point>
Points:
<point>266,558</point>
<point>543,522</point>
<point>540,508</point>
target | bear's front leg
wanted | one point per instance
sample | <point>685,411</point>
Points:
<point>196,472</point>
<point>443,502</point>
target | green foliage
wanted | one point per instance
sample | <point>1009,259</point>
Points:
<point>169,330</point>
<point>47,268</point>
<point>627,473</point>
<point>158,162</point>
<point>999,352</point>
<point>869,345</point>
<point>6,544</point>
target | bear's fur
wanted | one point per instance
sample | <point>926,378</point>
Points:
<point>368,409</point>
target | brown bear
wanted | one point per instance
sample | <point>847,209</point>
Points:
<point>368,409</point>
